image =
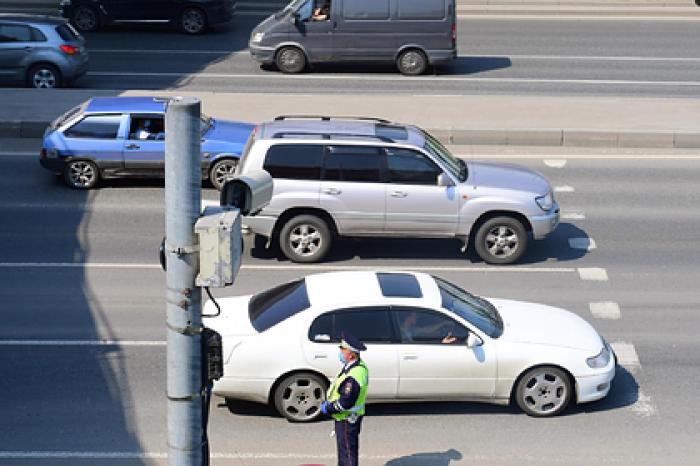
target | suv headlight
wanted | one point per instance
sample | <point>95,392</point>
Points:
<point>545,202</point>
<point>600,360</point>
<point>257,37</point>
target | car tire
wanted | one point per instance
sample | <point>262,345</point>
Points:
<point>412,62</point>
<point>81,174</point>
<point>305,238</point>
<point>501,240</point>
<point>298,397</point>
<point>544,391</point>
<point>192,21</point>
<point>44,76</point>
<point>290,60</point>
<point>221,172</point>
<point>85,19</point>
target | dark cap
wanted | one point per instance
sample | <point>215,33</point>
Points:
<point>351,342</point>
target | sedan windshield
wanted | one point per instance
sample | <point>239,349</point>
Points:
<point>271,307</point>
<point>457,167</point>
<point>473,309</point>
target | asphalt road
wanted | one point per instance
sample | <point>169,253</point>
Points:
<point>81,267</point>
<point>558,56</point>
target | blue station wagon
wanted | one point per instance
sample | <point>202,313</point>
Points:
<point>114,137</point>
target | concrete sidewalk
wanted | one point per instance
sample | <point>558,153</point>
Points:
<point>606,122</point>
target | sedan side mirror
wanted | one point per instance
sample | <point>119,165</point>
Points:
<point>474,340</point>
<point>444,180</point>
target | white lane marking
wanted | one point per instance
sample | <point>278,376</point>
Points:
<point>393,78</point>
<point>237,53</point>
<point>82,343</point>
<point>605,310</point>
<point>587,244</point>
<point>572,216</point>
<point>593,274</point>
<point>644,405</point>
<point>113,265</point>
<point>564,189</point>
<point>20,154</point>
<point>626,355</point>
<point>555,163</point>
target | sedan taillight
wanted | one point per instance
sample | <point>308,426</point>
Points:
<point>69,49</point>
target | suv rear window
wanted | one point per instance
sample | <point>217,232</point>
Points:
<point>271,307</point>
<point>294,161</point>
<point>67,32</point>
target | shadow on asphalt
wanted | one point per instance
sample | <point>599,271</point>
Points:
<point>553,248</point>
<point>623,394</point>
<point>436,458</point>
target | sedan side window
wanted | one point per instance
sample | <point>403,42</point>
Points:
<point>408,166</point>
<point>321,329</point>
<point>369,324</point>
<point>419,326</point>
<point>147,128</point>
<point>95,127</point>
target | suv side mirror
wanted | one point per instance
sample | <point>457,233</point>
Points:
<point>444,180</point>
<point>474,340</point>
<point>249,193</point>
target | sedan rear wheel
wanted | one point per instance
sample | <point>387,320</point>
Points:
<point>305,238</point>
<point>81,174</point>
<point>299,396</point>
<point>543,391</point>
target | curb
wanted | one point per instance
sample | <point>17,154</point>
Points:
<point>550,137</point>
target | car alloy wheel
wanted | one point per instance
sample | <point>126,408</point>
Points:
<point>305,238</point>
<point>501,240</point>
<point>221,172</point>
<point>81,174</point>
<point>290,60</point>
<point>193,21</point>
<point>544,391</point>
<point>85,19</point>
<point>412,62</point>
<point>299,396</point>
<point>44,77</point>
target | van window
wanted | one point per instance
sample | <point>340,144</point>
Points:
<point>353,163</point>
<point>420,9</point>
<point>294,161</point>
<point>96,127</point>
<point>366,9</point>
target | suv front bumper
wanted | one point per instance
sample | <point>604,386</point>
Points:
<point>542,225</point>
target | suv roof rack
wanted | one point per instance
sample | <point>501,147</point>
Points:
<point>283,134</point>
<point>329,118</point>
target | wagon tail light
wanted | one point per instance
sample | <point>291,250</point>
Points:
<point>454,34</point>
<point>69,49</point>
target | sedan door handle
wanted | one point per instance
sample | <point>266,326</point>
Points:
<point>399,194</point>
<point>334,191</point>
<point>133,146</point>
<point>410,357</point>
<point>320,356</point>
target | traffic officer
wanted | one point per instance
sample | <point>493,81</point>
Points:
<point>346,399</point>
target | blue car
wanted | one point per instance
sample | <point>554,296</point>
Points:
<point>115,137</point>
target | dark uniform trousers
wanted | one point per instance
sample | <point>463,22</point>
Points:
<point>347,435</point>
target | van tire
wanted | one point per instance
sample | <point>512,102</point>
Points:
<point>501,240</point>
<point>305,239</point>
<point>412,62</point>
<point>290,60</point>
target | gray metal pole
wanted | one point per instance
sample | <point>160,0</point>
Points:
<point>183,298</point>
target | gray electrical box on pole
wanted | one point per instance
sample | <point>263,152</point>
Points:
<point>220,246</point>
<point>183,299</point>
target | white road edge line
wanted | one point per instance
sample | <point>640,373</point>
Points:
<point>564,189</point>
<point>593,274</point>
<point>82,343</point>
<point>555,163</point>
<point>605,310</point>
<point>572,216</point>
<point>105,265</point>
<point>586,244</point>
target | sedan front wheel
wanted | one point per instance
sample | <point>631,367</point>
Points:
<point>543,391</point>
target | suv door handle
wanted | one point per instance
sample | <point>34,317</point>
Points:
<point>399,194</point>
<point>410,357</point>
<point>133,146</point>
<point>332,191</point>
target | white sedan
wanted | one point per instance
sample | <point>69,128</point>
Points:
<point>426,339</point>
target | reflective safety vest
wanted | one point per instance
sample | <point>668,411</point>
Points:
<point>360,373</point>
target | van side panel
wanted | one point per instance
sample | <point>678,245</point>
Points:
<point>428,25</point>
<point>364,30</point>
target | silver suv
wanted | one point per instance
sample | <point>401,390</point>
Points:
<point>370,177</point>
<point>40,51</point>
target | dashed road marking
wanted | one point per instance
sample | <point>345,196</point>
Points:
<point>626,355</point>
<point>587,244</point>
<point>605,310</point>
<point>573,215</point>
<point>555,163</point>
<point>593,274</point>
<point>564,189</point>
